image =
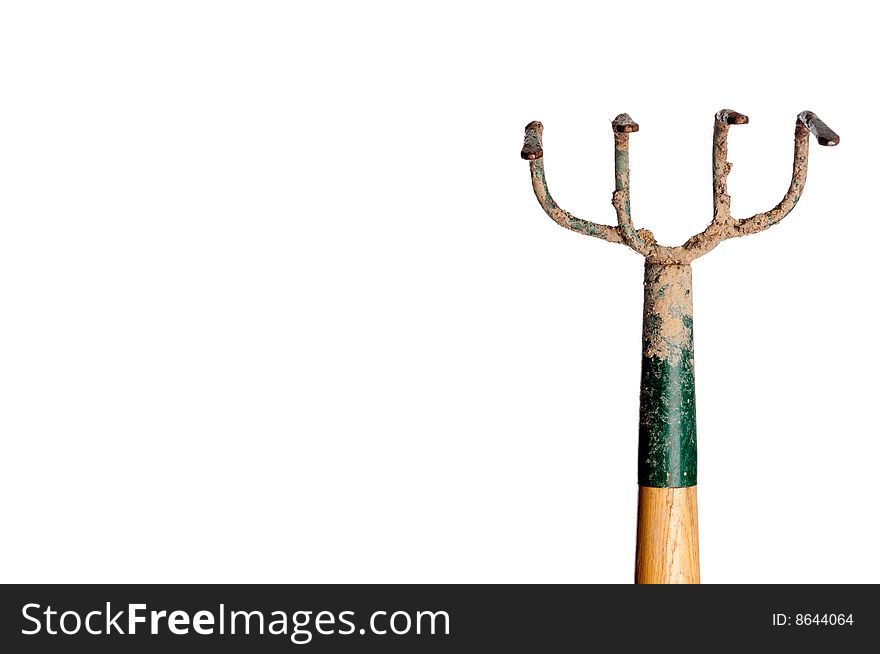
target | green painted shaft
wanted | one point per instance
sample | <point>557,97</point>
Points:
<point>667,409</point>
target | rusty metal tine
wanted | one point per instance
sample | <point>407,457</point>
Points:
<point>532,148</point>
<point>624,124</point>
<point>824,134</point>
<point>731,117</point>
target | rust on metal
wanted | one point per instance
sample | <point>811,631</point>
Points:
<point>720,166</point>
<point>723,225</point>
<point>532,149</point>
<point>731,117</point>
<point>824,134</point>
<point>624,124</point>
<point>667,451</point>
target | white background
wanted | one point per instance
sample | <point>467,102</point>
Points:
<point>277,303</point>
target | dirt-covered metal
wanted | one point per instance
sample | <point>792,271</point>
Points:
<point>667,423</point>
<point>667,406</point>
<point>722,226</point>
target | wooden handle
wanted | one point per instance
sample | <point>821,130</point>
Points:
<point>667,542</point>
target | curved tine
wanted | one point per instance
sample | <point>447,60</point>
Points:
<point>806,122</point>
<point>720,166</point>
<point>824,134</point>
<point>534,153</point>
<point>762,221</point>
<point>623,126</point>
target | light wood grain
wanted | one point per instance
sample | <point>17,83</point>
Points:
<point>667,541</point>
